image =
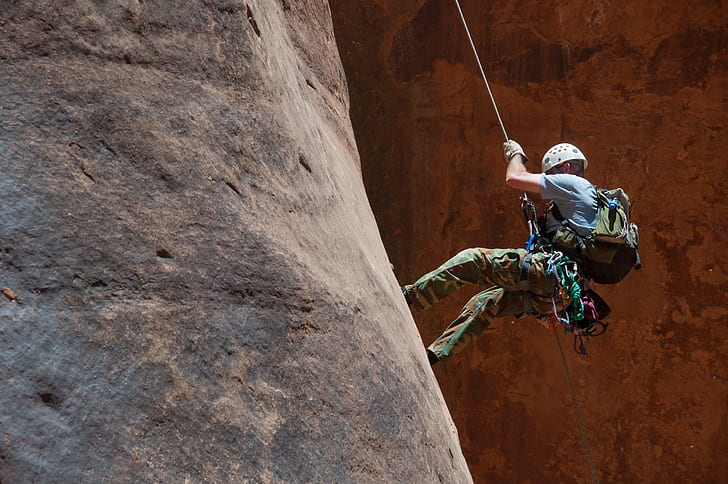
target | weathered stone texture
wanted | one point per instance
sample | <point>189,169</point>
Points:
<point>195,287</point>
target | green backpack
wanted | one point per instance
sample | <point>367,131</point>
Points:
<point>609,253</point>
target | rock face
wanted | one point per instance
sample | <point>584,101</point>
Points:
<point>194,287</point>
<point>641,88</point>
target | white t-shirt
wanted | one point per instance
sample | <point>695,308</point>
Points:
<point>576,199</point>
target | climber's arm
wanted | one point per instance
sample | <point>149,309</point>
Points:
<point>517,176</point>
<point>521,179</point>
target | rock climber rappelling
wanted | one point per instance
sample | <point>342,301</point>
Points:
<point>585,235</point>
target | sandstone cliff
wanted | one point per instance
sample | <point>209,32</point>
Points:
<point>194,287</point>
<point>641,88</point>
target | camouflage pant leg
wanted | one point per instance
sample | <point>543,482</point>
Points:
<point>486,267</point>
<point>479,313</point>
<point>499,267</point>
<point>476,317</point>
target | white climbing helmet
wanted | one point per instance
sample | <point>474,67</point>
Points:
<point>561,153</point>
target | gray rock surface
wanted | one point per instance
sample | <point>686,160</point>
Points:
<point>194,286</point>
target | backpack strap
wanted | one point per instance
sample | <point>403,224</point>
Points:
<point>554,209</point>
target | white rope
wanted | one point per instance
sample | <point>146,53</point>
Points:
<point>482,72</point>
<point>582,427</point>
<point>485,79</point>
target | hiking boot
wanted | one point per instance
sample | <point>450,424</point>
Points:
<point>406,295</point>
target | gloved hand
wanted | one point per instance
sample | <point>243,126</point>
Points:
<point>511,148</point>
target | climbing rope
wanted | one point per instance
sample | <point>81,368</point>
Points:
<point>482,72</point>
<point>524,196</point>
<point>577,405</point>
<point>526,204</point>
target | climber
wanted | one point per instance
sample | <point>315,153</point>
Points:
<point>520,282</point>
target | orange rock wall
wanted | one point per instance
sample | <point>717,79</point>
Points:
<point>641,88</point>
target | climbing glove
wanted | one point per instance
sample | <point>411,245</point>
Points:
<point>511,148</point>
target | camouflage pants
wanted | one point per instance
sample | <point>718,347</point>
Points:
<point>501,269</point>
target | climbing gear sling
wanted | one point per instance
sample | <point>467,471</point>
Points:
<point>568,279</point>
<point>583,318</point>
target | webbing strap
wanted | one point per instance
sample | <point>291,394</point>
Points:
<point>525,270</point>
<point>523,284</point>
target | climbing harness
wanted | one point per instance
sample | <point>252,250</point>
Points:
<point>567,285</point>
<point>523,283</point>
<point>561,268</point>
